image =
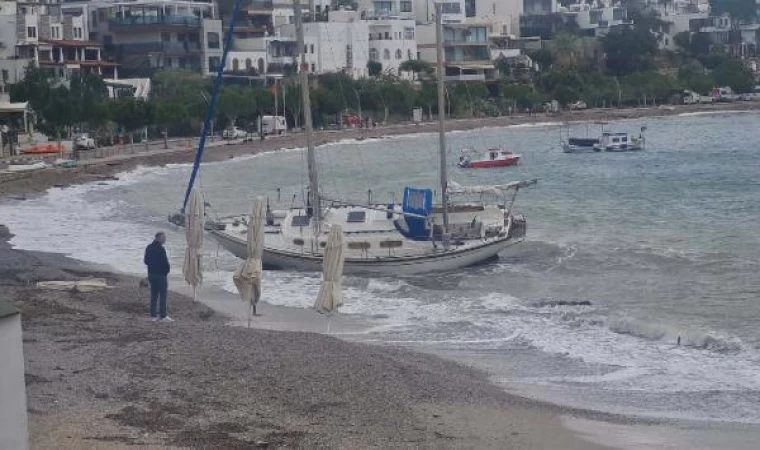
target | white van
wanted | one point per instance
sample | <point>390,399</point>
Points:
<point>272,125</point>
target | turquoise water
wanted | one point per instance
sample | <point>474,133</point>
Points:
<point>662,243</point>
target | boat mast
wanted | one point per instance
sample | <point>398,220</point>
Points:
<point>311,157</point>
<point>442,115</point>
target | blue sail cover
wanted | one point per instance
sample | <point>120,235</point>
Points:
<point>417,201</point>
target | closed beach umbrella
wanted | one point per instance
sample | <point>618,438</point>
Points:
<point>330,294</point>
<point>194,217</point>
<point>247,277</point>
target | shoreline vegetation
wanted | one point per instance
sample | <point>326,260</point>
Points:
<point>93,170</point>
<point>101,375</point>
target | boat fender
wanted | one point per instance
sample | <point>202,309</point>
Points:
<point>389,214</point>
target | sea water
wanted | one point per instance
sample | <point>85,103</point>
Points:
<point>636,291</point>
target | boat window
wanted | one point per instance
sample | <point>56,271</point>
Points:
<point>356,216</point>
<point>300,221</point>
<point>298,241</point>
<point>391,244</point>
<point>358,245</point>
<point>625,138</point>
<point>615,139</point>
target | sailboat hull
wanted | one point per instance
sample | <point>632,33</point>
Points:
<point>439,261</point>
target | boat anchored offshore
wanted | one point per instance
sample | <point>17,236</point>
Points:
<point>494,157</point>
<point>418,235</point>
<point>620,142</point>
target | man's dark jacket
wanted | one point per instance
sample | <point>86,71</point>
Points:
<point>156,260</point>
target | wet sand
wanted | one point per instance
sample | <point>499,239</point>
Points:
<point>100,374</point>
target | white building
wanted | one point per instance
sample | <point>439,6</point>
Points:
<point>146,35</point>
<point>339,45</point>
<point>50,36</point>
<point>13,420</point>
<point>597,17</point>
<point>391,42</point>
<point>503,16</point>
<point>375,9</point>
<point>540,7</point>
<point>679,16</point>
<point>452,11</point>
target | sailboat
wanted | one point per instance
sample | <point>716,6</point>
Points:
<point>413,237</point>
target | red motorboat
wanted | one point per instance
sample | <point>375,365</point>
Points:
<point>494,157</point>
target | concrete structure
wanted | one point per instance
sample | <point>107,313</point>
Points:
<point>467,50</point>
<point>679,16</point>
<point>385,9</point>
<point>147,35</point>
<point>339,45</point>
<point>49,36</point>
<point>391,42</point>
<point>540,7</point>
<point>596,18</point>
<point>453,11</point>
<point>503,16</point>
<point>13,421</point>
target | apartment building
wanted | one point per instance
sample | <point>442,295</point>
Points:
<point>502,16</point>
<point>147,35</point>
<point>52,36</point>
<point>452,11</point>
<point>467,50</point>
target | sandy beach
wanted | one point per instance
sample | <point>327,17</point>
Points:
<point>100,374</point>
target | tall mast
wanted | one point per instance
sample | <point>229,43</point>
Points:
<point>311,157</point>
<point>442,115</point>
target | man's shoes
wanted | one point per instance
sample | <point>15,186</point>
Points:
<point>167,319</point>
<point>154,319</point>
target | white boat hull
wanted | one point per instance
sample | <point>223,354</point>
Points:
<point>439,261</point>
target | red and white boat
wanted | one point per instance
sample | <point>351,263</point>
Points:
<point>494,157</point>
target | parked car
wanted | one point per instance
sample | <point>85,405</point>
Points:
<point>352,120</point>
<point>580,104</point>
<point>84,142</point>
<point>745,97</point>
<point>234,133</point>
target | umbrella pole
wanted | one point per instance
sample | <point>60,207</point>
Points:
<point>250,313</point>
<point>329,319</point>
<point>195,294</point>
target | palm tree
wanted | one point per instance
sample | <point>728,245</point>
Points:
<point>565,47</point>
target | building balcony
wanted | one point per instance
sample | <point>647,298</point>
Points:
<point>158,47</point>
<point>163,21</point>
<point>467,77</point>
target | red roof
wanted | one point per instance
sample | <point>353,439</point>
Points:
<point>70,43</point>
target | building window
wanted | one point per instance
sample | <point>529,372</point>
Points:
<point>373,54</point>
<point>305,48</point>
<point>387,36</point>
<point>408,54</point>
<point>261,65</point>
<point>248,64</point>
<point>406,6</point>
<point>313,68</point>
<point>398,54</point>
<point>55,32</point>
<point>213,39</point>
<point>386,54</point>
<point>77,33</point>
<point>213,63</point>
<point>5,76</point>
<point>168,61</point>
<point>311,48</point>
<point>166,36</point>
<point>235,65</point>
<point>31,32</point>
<point>451,8</point>
<point>409,33</point>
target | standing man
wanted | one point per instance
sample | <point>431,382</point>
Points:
<point>158,269</point>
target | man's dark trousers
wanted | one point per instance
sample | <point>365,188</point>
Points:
<point>158,291</point>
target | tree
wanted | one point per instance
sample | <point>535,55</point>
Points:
<point>629,50</point>
<point>87,96</point>
<point>565,47</point>
<point>735,74</point>
<point>543,57</point>
<point>421,69</point>
<point>131,114</point>
<point>374,68</point>
<point>233,102</point>
<point>57,113</point>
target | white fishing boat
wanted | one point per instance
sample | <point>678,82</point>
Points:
<point>414,236</point>
<point>620,142</point>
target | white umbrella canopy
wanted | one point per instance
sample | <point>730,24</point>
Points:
<point>247,277</point>
<point>330,294</point>
<point>194,217</point>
